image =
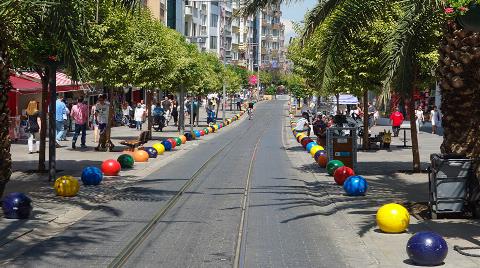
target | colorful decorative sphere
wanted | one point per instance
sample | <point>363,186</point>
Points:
<point>206,130</point>
<point>173,142</point>
<point>321,158</point>
<point>17,206</point>
<point>211,129</point>
<point>342,173</point>
<point>315,149</point>
<point>333,165</point>
<point>178,141</point>
<point>355,186</point>
<point>126,161</point>
<point>215,127</point>
<point>167,144</point>
<point>183,138</point>
<point>66,186</point>
<point>300,136</point>
<point>159,147</point>
<point>111,167</point>
<point>140,156</point>
<point>152,152</point>
<point>393,218</point>
<point>310,145</point>
<point>305,140</point>
<point>202,133</point>
<point>91,176</point>
<point>427,248</point>
<point>188,136</point>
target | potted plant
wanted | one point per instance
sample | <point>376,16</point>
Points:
<point>466,12</point>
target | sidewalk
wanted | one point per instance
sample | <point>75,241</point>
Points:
<point>386,184</point>
<point>52,214</point>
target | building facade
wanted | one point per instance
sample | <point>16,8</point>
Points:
<point>254,42</point>
<point>158,9</point>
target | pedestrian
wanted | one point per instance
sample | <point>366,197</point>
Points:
<point>303,124</point>
<point>60,111</point>
<point>126,109</point>
<point>175,112</point>
<point>79,114</point>
<point>142,103</point>
<point>66,121</point>
<point>196,106</point>
<point>396,119</point>
<point>419,118</point>
<point>376,115</point>
<point>435,118</point>
<point>371,114</point>
<point>167,107</point>
<point>102,109</point>
<point>93,119</point>
<point>320,129</point>
<point>239,102</point>
<point>139,116</point>
<point>33,127</point>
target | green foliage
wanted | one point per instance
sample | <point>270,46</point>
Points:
<point>271,90</point>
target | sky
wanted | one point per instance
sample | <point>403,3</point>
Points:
<point>294,12</point>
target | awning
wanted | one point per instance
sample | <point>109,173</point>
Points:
<point>344,99</point>
<point>64,83</point>
<point>21,84</point>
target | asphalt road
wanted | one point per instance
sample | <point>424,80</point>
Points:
<point>202,228</point>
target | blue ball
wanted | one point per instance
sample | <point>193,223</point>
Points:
<point>355,185</point>
<point>188,135</point>
<point>17,206</point>
<point>152,153</point>
<point>91,176</point>
<point>427,248</point>
<point>167,144</point>
<point>197,133</point>
<point>310,145</point>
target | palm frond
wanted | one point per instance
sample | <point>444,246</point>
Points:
<point>317,16</point>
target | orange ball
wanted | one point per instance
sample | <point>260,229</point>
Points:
<point>140,156</point>
<point>183,138</point>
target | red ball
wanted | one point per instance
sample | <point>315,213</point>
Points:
<point>111,167</point>
<point>202,133</point>
<point>173,142</point>
<point>342,173</point>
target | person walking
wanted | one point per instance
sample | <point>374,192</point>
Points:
<point>175,112</point>
<point>396,120</point>
<point>139,116</point>
<point>102,109</point>
<point>167,107</point>
<point>419,118</point>
<point>61,110</point>
<point>66,122</point>
<point>195,112</point>
<point>371,114</point>
<point>126,109</point>
<point>79,114</point>
<point>435,118</point>
<point>33,127</point>
<point>94,123</point>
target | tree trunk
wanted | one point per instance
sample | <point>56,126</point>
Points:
<point>459,78</point>
<point>413,132</point>
<point>111,112</point>
<point>52,141</point>
<point>43,118</point>
<point>181,112</point>
<point>337,96</point>
<point>5,87</point>
<point>148,103</point>
<point>366,144</point>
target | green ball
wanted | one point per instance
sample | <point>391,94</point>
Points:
<point>126,161</point>
<point>178,140</point>
<point>333,165</point>
<point>206,130</point>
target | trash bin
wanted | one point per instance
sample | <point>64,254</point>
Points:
<point>448,178</point>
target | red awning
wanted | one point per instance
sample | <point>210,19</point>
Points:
<point>64,83</point>
<point>21,84</point>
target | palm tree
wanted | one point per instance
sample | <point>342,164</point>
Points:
<point>65,24</point>
<point>417,25</point>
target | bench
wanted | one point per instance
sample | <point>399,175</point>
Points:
<point>142,139</point>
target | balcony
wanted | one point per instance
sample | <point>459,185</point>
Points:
<point>188,11</point>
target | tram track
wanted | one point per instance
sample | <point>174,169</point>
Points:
<point>123,257</point>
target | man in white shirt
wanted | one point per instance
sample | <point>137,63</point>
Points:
<point>435,118</point>
<point>102,109</point>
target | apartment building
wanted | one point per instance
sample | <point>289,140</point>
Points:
<point>253,42</point>
<point>158,9</point>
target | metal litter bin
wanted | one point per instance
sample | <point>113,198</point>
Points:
<point>448,179</point>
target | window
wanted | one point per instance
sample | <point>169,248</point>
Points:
<point>213,42</point>
<point>213,20</point>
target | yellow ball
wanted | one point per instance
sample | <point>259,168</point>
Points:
<point>215,127</point>
<point>299,136</point>
<point>315,149</point>
<point>159,147</point>
<point>66,186</point>
<point>393,218</point>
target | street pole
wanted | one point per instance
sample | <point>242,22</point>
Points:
<point>191,116</point>
<point>52,140</point>
<point>181,118</point>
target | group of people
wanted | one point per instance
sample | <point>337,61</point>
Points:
<point>138,115</point>
<point>397,118</point>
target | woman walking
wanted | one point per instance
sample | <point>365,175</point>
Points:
<point>175,112</point>
<point>139,116</point>
<point>94,123</point>
<point>33,127</point>
<point>419,117</point>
